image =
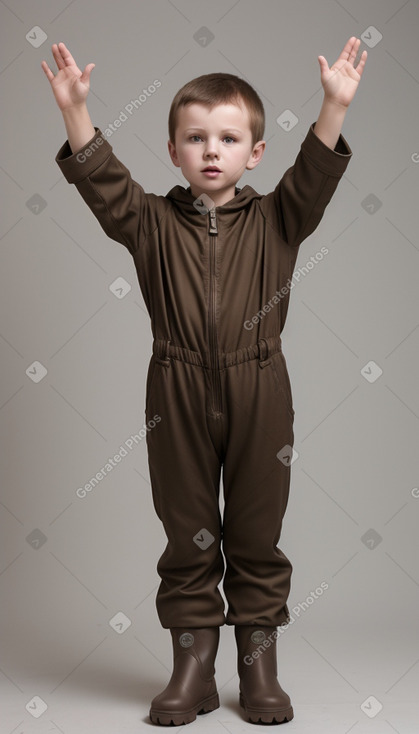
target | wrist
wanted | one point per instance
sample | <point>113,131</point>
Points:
<point>329,122</point>
<point>79,126</point>
<point>334,104</point>
<point>75,110</point>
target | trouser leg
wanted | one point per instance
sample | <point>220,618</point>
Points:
<point>185,476</point>
<point>256,488</point>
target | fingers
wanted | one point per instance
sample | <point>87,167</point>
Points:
<point>350,49</point>
<point>66,55</point>
<point>57,56</point>
<point>323,63</point>
<point>85,77</point>
<point>347,48</point>
<point>47,70</point>
<point>62,55</point>
<point>362,60</point>
<point>354,50</point>
<point>350,52</point>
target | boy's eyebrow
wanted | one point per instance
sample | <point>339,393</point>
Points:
<point>201,129</point>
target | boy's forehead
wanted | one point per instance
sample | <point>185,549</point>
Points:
<point>221,115</point>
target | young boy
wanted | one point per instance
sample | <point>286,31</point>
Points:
<point>213,263</point>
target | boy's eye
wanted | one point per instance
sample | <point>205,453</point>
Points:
<point>198,136</point>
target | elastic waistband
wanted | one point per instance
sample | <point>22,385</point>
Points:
<point>164,350</point>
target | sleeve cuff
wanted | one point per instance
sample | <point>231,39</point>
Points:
<point>331,162</point>
<point>79,165</point>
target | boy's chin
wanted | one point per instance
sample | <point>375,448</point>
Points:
<point>211,185</point>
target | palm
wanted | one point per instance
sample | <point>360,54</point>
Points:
<point>70,85</point>
<point>340,82</point>
<point>67,87</point>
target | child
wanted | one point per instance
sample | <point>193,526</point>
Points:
<point>213,264</point>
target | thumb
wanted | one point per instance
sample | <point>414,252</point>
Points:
<point>323,63</point>
<point>85,77</point>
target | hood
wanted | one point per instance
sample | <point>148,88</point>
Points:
<point>183,198</point>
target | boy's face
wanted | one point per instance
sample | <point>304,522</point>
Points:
<point>220,137</point>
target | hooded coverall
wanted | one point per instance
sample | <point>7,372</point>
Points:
<point>218,393</point>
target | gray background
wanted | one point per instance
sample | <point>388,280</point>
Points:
<point>69,565</point>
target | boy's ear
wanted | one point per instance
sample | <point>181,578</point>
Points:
<point>256,154</point>
<point>173,154</point>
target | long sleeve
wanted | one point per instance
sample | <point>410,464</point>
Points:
<point>124,211</point>
<point>297,204</point>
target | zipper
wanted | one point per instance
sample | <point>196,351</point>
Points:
<point>212,325</point>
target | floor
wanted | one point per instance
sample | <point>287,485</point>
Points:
<point>333,680</point>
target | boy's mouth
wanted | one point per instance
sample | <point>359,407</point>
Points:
<point>211,171</point>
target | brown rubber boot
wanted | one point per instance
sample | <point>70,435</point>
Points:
<point>192,689</point>
<point>261,696</point>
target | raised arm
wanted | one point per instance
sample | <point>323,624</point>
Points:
<point>340,83</point>
<point>299,200</point>
<point>71,87</point>
<point>123,209</point>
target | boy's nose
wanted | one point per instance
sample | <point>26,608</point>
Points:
<point>211,150</point>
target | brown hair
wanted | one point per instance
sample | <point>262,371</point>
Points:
<point>220,88</point>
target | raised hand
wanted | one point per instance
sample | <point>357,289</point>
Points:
<point>70,85</point>
<point>340,82</point>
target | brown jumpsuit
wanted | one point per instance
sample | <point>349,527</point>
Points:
<point>218,392</point>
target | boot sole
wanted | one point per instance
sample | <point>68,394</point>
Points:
<point>267,717</point>
<point>177,718</point>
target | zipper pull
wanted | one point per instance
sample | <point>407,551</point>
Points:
<point>213,222</point>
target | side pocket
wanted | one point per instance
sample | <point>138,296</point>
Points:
<point>150,379</point>
<point>279,366</point>
<point>155,365</point>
